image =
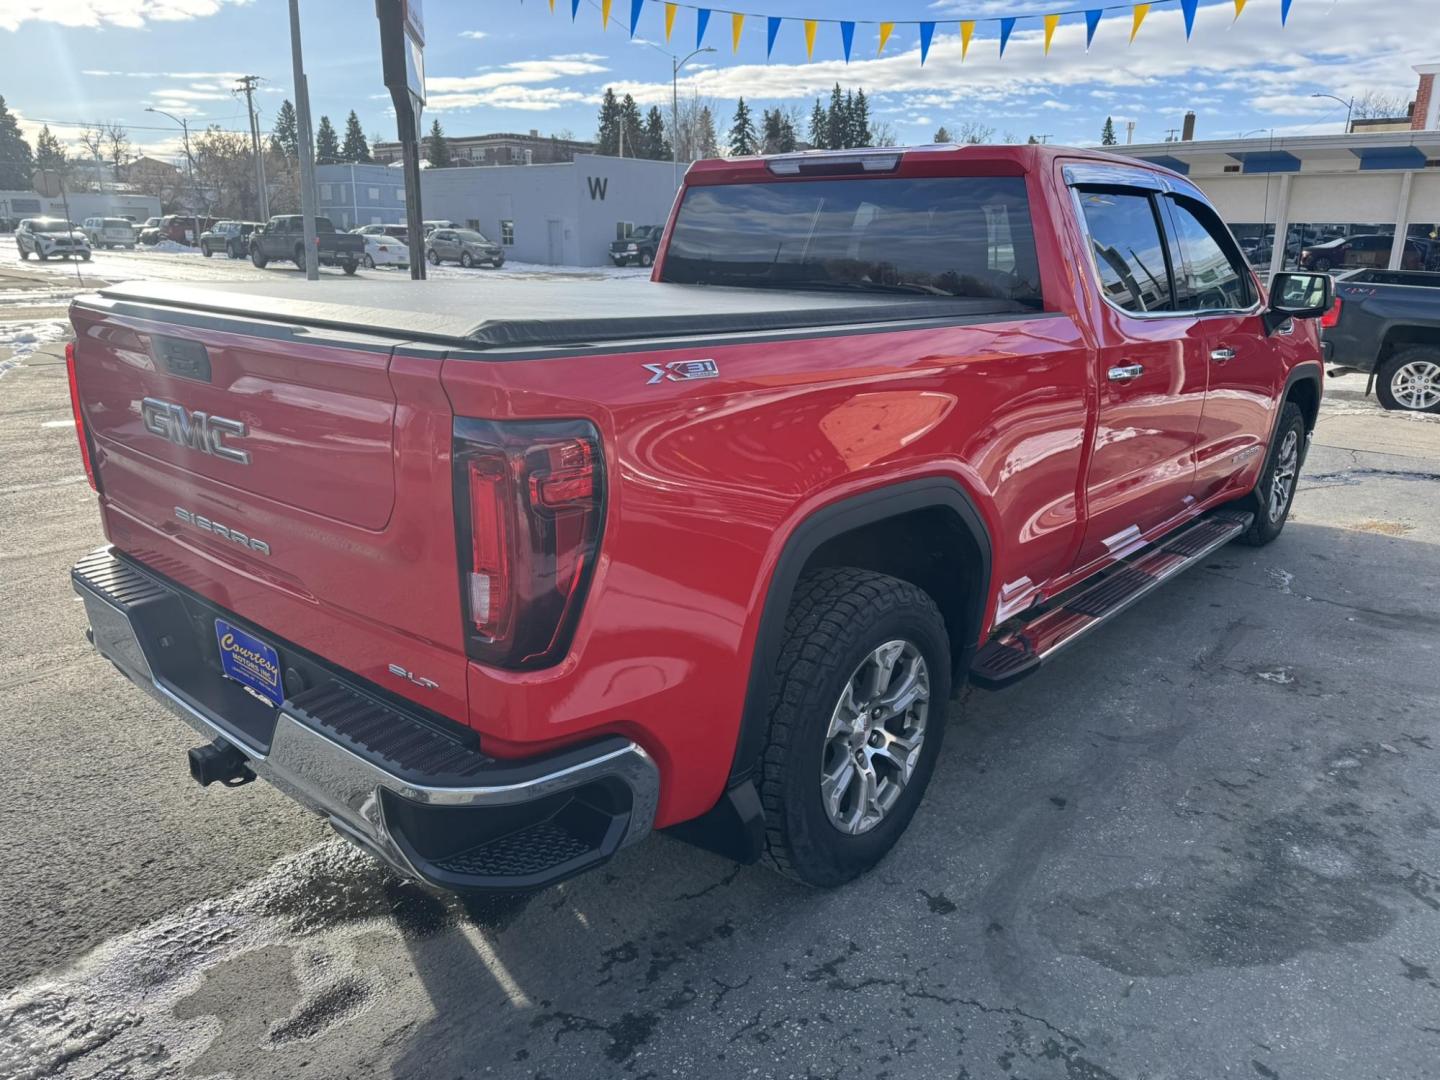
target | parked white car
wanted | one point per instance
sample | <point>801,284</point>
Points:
<point>45,237</point>
<point>107,232</point>
<point>384,250</point>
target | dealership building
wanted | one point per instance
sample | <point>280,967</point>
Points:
<point>1378,183</point>
<point>563,214</point>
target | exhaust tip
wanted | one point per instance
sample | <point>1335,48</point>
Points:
<point>219,762</point>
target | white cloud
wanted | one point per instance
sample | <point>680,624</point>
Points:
<point>474,35</point>
<point>132,14</point>
<point>521,84</point>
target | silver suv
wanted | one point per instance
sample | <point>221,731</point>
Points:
<point>465,246</point>
<point>105,232</point>
<point>50,236</point>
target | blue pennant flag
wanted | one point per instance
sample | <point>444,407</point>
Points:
<point>772,27</point>
<point>1188,7</point>
<point>574,9</point>
<point>702,20</point>
<point>1006,25</point>
<point>1284,11</point>
<point>927,31</point>
<point>635,6</point>
<point>847,37</point>
<point>1092,20</point>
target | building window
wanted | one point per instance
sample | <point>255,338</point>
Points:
<point>623,229</point>
<point>472,223</point>
<point>374,194</point>
<point>375,219</point>
<point>324,192</point>
<point>507,233</point>
<point>400,195</point>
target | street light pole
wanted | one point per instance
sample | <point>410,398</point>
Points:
<point>675,66</point>
<point>189,161</point>
<point>307,146</point>
<point>1349,107</point>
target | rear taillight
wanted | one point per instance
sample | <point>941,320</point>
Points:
<point>1331,317</point>
<point>80,431</point>
<point>529,499</point>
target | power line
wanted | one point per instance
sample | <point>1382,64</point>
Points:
<point>130,127</point>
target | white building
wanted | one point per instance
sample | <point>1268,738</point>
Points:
<point>82,204</point>
<point>1281,195</point>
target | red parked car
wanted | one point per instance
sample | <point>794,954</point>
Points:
<point>500,582</point>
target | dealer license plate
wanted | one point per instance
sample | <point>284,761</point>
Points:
<point>249,661</point>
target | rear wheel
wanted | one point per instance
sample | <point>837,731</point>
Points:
<point>1410,380</point>
<point>369,261</point>
<point>40,254</point>
<point>857,715</point>
<point>300,256</point>
<point>466,260</point>
<point>24,255</point>
<point>1274,492</point>
<point>349,266</point>
<point>433,256</point>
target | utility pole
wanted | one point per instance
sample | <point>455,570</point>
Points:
<point>248,84</point>
<point>307,145</point>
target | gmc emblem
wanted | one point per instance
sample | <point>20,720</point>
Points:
<point>196,430</point>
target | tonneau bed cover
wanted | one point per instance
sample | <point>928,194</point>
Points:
<point>499,313</point>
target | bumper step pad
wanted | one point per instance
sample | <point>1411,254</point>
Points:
<point>1021,650</point>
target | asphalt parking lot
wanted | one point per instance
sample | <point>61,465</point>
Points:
<point>1203,843</point>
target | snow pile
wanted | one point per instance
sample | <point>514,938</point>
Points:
<point>23,338</point>
<point>171,247</point>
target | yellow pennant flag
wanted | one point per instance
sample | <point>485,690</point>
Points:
<point>1051,21</point>
<point>1141,10</point>
<point>885,28</point>
<point>552,6</point>
<point>967,31</point>
<point>604,14</point>
<point>1239,7</point>
<point>736,22</point>
<point>810,25</point>
<point>669,20</point>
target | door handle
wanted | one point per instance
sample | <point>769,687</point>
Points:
<point>1220,356</point>
<point>1126,373</point>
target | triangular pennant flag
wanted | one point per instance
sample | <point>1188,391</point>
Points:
<point>1006,25</point>
<point>1051,21</point>
<point>552,5</point>
<point>847,38</point>
<point>772,27</point>
<point>1137,17</point>
<point>574,9</point>
<point>737,23</point>
<point>927,34</point>
<point>635,6</point>
<point>967,31</point>
<point>1239,7</point>
<point>604,14</point>
<point>1188,7</point>
<point>702,20</point>
<point>669,21</point>
<point>885,30</point>
<point>1284,11</point>
<point>1092,20</point>
<point>810,25</point>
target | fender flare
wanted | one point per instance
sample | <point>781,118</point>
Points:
<point>1304,371</point>
<point>826,523</point>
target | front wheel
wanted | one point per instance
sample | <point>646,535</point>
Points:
<point>1410,380</point>
<point>856,718</point>
<point>40,254</point>
<point>85,255</point>
<point>433,256</point>
<point>466,260</point>
<point>257,259</point>
<point>1274,492</point>
<point>206,251</point>
<point>646,259</point>
<point>24,255</point>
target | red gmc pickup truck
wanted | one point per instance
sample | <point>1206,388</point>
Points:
<point>499,580</point>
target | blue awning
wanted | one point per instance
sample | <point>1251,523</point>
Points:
<point>1174,163</point>
<point>1267,161</point>
<point>1389,157</point>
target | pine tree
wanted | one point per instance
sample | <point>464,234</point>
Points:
<point>286,137</point>
<point>860,134</point>
<point>49,154</point>
<point>327,143</point>
<point>1107,133</point>
<point>770,126</point>
<point>607,139</point>
<point>788,140</point>
<point>742,132</point>
<point>657,145</point>
<point>818,126</point>
<point>942,135</point>
<point>836,121</point>
<point>706,144</point>
<point>632,127</point>
<point>437,150</point>
<point>16,160</point>
<point>355,147</point>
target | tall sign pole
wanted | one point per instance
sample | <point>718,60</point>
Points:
<point>402,57</point>
<point>307,145</point>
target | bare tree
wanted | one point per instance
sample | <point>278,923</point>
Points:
<point>973,132</point>
<point>686,129</point>
<point>1375,103</point>
<point>882,133</point>
<point>117,146</point>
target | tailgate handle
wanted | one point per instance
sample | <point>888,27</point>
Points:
<point>182,356</point>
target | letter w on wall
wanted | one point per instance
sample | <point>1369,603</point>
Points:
<point>598,184</point>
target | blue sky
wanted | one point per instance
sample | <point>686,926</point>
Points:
<point>504,65</point>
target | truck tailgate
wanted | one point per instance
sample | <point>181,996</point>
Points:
<point>257,465</point>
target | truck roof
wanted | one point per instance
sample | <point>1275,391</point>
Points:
<point>511,313</point>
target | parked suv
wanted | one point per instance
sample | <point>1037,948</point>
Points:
<point>107,232</point>
<point>46,237</point>
<point>149,233</point>
<point>231,237</point>
<point>1365,251</point>
<point>465,246</point>
<point>639,247</point>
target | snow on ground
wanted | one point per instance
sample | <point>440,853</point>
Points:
<point>23,338</point>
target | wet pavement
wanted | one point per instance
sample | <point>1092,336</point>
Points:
<point>1205,842</point>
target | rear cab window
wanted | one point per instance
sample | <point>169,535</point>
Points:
<point>945,236</point>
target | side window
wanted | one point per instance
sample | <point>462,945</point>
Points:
<point>1129,253</point>
<point>1214,275</point>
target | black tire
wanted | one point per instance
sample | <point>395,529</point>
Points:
<point>1321,265</point>
<point>433,256</point>
<point>498,263</point>
<point>838,617</point>
<point>349,266</point>
<point>646,259</point>
<point>205,250</point>
<point>1385,377</point>
<point>299,259</point>
<point>369,261</point>
<point>1267,525</point>
<point>466,260</point>
<point>40,254</point>
<point>257,259</point>
<point>24,255</point>
<point>85,255</point>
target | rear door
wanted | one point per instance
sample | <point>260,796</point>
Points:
<point>1151,368</point>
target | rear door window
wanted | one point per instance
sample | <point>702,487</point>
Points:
<point>1130,255</point>
<point>1211,274</point>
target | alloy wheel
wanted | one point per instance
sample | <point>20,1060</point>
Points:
<point>873,742</point>
<point>1282,480</point>
<point>1416,385</point>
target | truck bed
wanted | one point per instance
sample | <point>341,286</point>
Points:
<point>517,314</point>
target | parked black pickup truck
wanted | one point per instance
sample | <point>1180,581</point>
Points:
<point>1387,323</point>
<point>639,247</point>
<point>283,237</point>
